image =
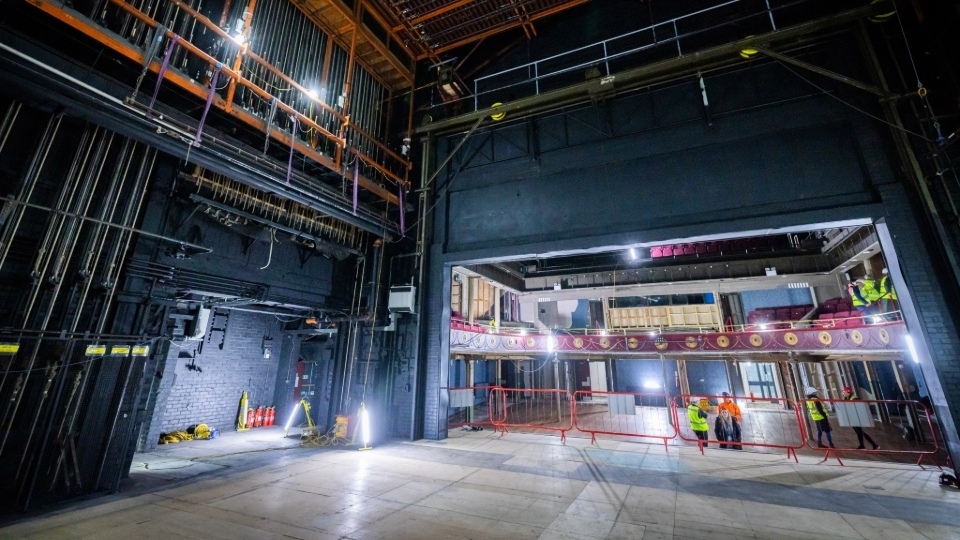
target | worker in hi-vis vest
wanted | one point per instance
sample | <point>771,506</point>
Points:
<point>857,296</point>
<point>698,420</point>
<point>819,416</point>
<point>888,295</point>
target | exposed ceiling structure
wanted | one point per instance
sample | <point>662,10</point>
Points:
<point>436,26</point>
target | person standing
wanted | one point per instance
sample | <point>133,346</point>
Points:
<point>731,406</point>
<point>850,396</point>
<point>698,420</point>
<point>888,295</point>
<point>860,301</point>
<point>819,416</point>
<point>727,430</point>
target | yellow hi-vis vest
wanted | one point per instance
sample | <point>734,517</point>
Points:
<point>814,413</point>
<point>853,296</point>
<point>886,289</point>
<point>696,423</point>
<point>870,291</point>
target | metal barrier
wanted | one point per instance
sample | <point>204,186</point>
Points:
<point>764,423</point>
<point>892,426</point>
<point>471,407</point>
<point>536,409</point>
<point>624,413</point>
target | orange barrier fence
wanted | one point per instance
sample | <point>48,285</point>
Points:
<point>534,409</point>
<point>624,414</point>
<point>866,426</point>
<point>763,423</point>
<point>470,407</point>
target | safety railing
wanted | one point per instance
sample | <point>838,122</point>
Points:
<point>322,130</point>
<point>471,407</point>
<point>626,414</point>
<point>772,423</point>
<point>532,409</point>
<point>870,427</point>
<point>671,38</point>
<point>892,317</point>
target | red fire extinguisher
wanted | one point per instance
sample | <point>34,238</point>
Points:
<point>250,415</point>
<point>269,419</point>
<point>258,420</point>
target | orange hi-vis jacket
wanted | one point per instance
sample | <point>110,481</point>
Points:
<point>732,408</point>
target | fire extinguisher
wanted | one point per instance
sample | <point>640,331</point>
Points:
<point>269,419</point>
<point>250,415</point>
<point>258,420</point>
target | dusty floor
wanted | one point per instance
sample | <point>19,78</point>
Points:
<point>478,485</point>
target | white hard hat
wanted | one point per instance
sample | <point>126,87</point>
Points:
<point>885,271</point>
<point>810,390</point>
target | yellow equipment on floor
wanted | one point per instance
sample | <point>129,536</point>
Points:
<point>242,416</point>
<point>306,410</point>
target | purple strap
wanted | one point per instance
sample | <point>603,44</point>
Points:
<point>356,184</point>
<point>403,228</point>
<point>206,108</point>
<point>293,139</point>
<point>163,69</point>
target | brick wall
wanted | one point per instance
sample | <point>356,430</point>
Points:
<point>213,395</point>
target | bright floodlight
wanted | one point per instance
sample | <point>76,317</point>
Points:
<point>653,334</point>
<point>633,254</point>
<point>763,327</point>
<point>313,94</point>
<point>877,319</point>
<point>650,384</point>
<point>550,343</point>
<point>292,416</point>
<point>365,424</point>
<point>913,350</point>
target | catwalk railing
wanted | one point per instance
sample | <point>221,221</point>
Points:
<point>336,136</point>
<point>671,38</point>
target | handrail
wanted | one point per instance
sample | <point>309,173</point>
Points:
<point>769,326</point>
<point>339,141</point>
<point>606,58</point>
<point>608,40</point>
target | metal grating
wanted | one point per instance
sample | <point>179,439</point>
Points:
<point>436,26</point>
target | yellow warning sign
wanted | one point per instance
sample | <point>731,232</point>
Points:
<point>96,350</point>
<point>120,350</point>
<point>9,348</point>
<point>141,350</point>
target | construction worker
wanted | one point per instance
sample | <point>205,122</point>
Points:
<point>819,416</point>
<point>698,420</point>
<point>850,396</point>
<point>860,301</point>
<point>730,406</point>
<point>870,290</point>
<point>888,295</point>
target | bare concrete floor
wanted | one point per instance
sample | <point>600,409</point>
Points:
<point>479,485</point>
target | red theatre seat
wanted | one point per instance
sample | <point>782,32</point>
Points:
<point>667,251</point>
<point>689,249</point>
<point>656,253</point>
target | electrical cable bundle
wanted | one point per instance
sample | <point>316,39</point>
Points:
<point>175,437</point>
<point>333,437</point>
